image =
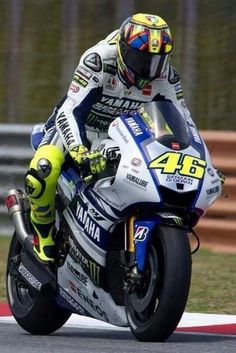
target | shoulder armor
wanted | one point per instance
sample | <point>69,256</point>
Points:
<point>173,76</point>
<point>93,61</point>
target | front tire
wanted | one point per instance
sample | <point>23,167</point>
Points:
<point>37,312</point>
<point>155,309</point>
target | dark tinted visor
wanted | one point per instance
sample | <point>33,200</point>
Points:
<point>146,65</point>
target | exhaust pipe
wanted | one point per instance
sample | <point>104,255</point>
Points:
<point>17,207</point>
<point>16,202</point>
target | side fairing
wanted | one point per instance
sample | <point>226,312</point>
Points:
<point>134,182</point>
<point>211,187</point>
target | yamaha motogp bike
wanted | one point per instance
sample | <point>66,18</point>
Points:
<point>123,249</point>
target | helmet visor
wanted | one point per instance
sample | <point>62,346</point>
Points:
<point>145,65</point>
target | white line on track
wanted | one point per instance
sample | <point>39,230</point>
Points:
<point>188,320</point>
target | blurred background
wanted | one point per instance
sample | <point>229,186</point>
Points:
<point>41,42</point>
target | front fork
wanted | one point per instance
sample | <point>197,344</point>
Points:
<point>134,257</point>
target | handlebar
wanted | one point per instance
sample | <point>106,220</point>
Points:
<point>112,162</point>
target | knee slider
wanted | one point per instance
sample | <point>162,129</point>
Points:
<point>34,185</point>
<point>43,172</point>
<point>34,180</point>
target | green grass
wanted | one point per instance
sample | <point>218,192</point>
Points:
<point>213,288</point>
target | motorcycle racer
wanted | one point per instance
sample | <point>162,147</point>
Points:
<point>117,75</point>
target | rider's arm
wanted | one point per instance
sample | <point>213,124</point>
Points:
<point>84,91</point>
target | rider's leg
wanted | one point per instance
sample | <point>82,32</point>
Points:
<point>40,181</point>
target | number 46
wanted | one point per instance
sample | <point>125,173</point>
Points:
<point>171,162</point>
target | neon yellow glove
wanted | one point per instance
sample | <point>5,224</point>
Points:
<point>97,162</point>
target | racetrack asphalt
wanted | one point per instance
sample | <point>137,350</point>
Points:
<point>84,335</point>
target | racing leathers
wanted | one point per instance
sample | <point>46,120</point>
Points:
<point>96,96</point>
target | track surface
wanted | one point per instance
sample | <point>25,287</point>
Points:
<point>200,333</point>
<point>83,340</point>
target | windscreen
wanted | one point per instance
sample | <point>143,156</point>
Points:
<point>166,123</point>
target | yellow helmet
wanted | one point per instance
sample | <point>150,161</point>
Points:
<point>144,48</point>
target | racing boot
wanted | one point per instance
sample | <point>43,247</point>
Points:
<point>40,185</point>
<point>44,241</point>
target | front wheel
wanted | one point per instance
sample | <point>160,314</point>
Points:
<point>35,311</point>
<point>155,308</point>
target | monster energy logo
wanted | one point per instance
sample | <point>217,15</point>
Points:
<point>178,221</point>
<point>94,273</point>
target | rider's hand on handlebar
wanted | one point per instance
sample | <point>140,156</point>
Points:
<point>95,159</point>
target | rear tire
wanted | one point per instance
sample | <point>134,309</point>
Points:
<point>153,312</point>
<point>37,312</point>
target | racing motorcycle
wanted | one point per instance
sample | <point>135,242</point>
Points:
<point>123,249</point>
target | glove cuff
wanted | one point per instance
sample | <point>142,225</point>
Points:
<point>77,153</point>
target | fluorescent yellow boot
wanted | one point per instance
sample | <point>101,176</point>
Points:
<point>40,185</point>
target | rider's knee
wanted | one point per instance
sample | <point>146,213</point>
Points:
<point>44,170</point>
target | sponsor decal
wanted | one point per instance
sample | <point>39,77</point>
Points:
<point>179,95</point>
<point>141,233</point>
<point>95,79</point>
<point>83,72</point>
<point>78,275</point>
<point>90,267</point>
<point>89,301</point>
<point>111,84</point>
<point>74,87</point>
<point>94,272</point>
<point>71,301</point>
<point>93,62</point>
<point>213,190</point>
<point>215,181</point>
<point>122,134</point>
<point>77,256</point>
<point>134,126</point>
<point>173,76</point>
<point>65,129</point>
<point>147,90</point>
<point>195,135</point>
<point>135,171</point>
<point>179,91</point>
<point>178,87</point>
<point>210,172</point>
<point>136,180</point>
<point>179,179</point>
<point>116,106</point>
<point>29,277</point>
<point>86,222</point>
<point>98,122</point>
<point>80,80</point>
<point>136,162</point>
<point>96,215</point>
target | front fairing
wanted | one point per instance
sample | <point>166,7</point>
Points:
<point>164,154</point>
